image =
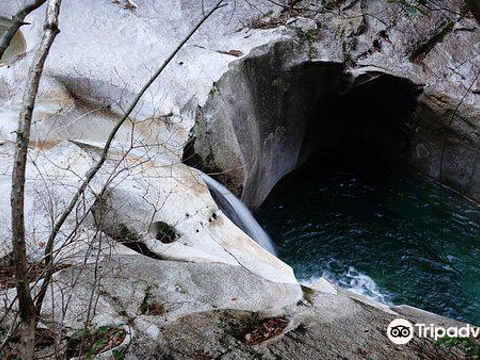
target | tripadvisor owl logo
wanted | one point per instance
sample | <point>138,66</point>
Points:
<point>400,331</point>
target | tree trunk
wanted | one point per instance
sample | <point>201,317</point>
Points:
<point>17,21</point>
<point>26,304</point>
<point>91,173</point>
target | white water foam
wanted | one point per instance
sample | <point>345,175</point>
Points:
<point>356,282</point>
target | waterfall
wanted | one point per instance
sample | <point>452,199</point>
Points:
<point>238,213</point>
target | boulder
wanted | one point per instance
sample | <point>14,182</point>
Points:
<point>136,199</point>
<point>128,287</point>
<point>324,286</point>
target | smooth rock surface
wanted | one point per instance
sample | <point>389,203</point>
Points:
<point>255,121</point>
<point>128,287</point>
<point>324,286</point>
<point>332,327</point>
<point>130,199</point>
<point>242,87</point>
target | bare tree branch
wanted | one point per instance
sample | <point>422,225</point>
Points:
<point>104,155</point>
<point>26,305</point>
<point>18,20</point>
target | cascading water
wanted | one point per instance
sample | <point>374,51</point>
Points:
<point>380,237</point>
<point>238,213</point>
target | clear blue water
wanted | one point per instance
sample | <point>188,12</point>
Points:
<point>381,238</point>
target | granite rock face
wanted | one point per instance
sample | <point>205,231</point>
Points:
<point>141,201</point>
<point>144,194</point>
<point>242,89</point>
<point>258,117</point>
<point>328,327</point>
<point>150,292</point>
<point>247,96</point>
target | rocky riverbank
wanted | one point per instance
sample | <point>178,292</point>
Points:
<point>147,247</point>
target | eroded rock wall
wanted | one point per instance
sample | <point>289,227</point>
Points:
<point>253,125</point>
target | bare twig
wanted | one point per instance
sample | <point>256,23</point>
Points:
<point>103,158</point>
<point>18,20</point>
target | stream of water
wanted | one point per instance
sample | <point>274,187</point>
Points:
<point>239,213</point>
<point>383,239</point>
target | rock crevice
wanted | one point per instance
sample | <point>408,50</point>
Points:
<point>257,126</point>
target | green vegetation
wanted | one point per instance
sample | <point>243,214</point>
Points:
<point>468,344</point>
<point>412,7</point>
<point>308,294</point>
<point>90,343</point>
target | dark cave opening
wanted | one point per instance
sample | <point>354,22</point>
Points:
<point>359,212</point>
<point>341,169</point>
<point>366,128</point>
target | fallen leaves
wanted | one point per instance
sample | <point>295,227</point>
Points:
<point>127,4</point>
<point>202,355</point>
<point>236,53</point>
<point>266,330</point>
<point>93,343</point>
<point>130,5</point>
<point>35,271</point>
